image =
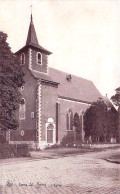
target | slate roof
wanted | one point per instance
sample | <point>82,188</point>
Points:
<point>78,88</point>
<point>38,47</point>
<point>42,76</point>
<point>32,40</point>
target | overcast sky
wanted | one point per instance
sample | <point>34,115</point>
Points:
<point>83,35</point>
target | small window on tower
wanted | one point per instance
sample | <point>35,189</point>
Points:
<point>23,58</point>
<point>39,58</point>
<point>32,115</point>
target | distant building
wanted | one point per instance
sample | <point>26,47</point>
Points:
<point>50,99</point>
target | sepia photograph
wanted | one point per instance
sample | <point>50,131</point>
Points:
<point>60,96</point>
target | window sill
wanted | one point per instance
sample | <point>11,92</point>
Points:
<point>69,130</point>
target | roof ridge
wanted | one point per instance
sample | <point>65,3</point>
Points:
<point>71,74</point>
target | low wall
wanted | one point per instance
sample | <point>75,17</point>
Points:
<point>103,145</point>
<point>32,144</point>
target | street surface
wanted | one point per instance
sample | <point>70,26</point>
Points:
<point>85,173</point>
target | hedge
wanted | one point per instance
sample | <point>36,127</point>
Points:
<point>11,151</point>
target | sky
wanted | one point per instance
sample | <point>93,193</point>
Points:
<point>83,35</point>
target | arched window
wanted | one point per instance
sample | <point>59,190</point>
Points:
<point>69,118</point>
<point>77,122</point>
<point>39,58</point>
<point>81,113</point>
<point>22,109</point>
<point>22,58</point>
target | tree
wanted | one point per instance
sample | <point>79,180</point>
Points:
<point>100,122</point>
<point>116,99</point>
<point>11,78</point>
<point>112,123</point>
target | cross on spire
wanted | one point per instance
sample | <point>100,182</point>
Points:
<point>31,13</point>
<point>32,38</point>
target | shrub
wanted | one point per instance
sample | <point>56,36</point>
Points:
<point>22,150</point>
<point>2,138</point>
<point>10,150</point>
<point>67,139</point>
<point>53,146</point>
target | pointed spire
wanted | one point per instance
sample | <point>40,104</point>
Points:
<point>32,38</point>
<point>31,17</point>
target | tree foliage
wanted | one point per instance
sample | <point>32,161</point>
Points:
<point>11,78</point>
<point>116,99</point>
<point>100,122</point>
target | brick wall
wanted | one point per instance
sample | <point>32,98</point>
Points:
<point>49,106</point>
<point>29,93</point>
<point>38,67</point>
<point>26,57</point>
<point>48,109</point>
<point>64,107</point>
<point>28,124</point>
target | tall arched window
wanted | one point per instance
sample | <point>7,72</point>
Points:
<point>39,58</point>
<point>69,119</point>
<point>22,109</point>
<point>22,58</point>
<point>81,119</point>
<point>77,122</point>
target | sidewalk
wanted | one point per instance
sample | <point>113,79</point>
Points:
<point>114,158</point>
<point>14,160</point>
<point>54,153</point>
<point>46,154</point>
<point>68,151</point>
<point>59,152</point>
<point>82,173</point>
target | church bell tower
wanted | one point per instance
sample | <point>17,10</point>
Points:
<point>32,55</point>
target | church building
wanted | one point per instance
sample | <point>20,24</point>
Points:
<point>51,99</point>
